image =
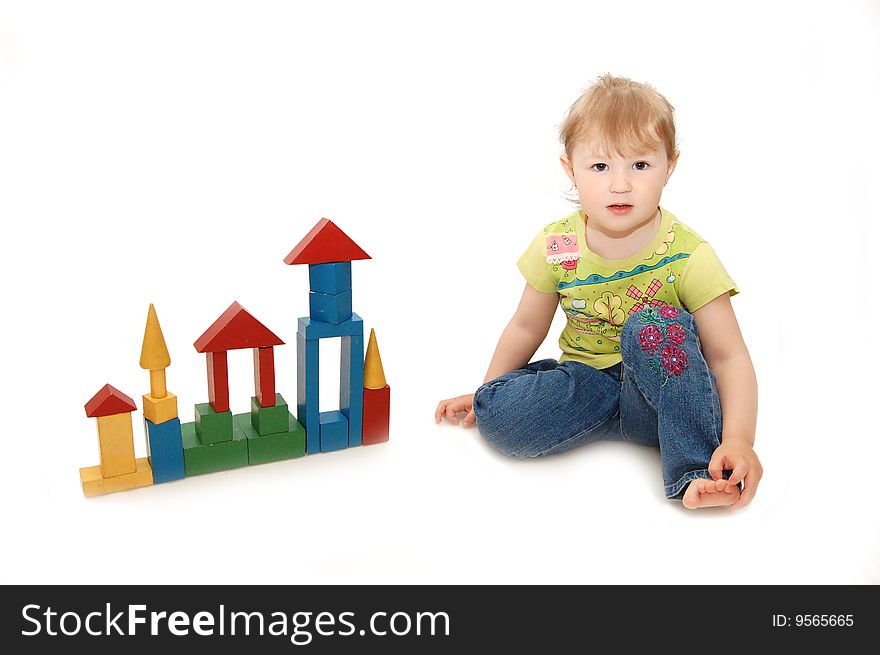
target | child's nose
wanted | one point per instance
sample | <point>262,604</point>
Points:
<point>620,183</point>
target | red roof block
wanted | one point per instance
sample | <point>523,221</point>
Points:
<point>108,401</point>
<point>236,329</point>
<point>325,243</point>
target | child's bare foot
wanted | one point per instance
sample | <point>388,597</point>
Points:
<point>709,493</point>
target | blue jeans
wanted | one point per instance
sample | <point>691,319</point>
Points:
<point>663,394</point>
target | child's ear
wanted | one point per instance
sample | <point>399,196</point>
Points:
<point>671,166</point>
<point>563,159</point>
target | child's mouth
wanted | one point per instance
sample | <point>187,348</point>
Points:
<point>620,209</point>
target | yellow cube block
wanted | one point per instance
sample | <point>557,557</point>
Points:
<point>93,484</point>
<point>159,410</point>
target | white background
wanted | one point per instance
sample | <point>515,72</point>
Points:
<point>174,152</point>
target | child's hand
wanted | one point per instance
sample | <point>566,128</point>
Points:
<point>449,408</point>
<point>739,456</point>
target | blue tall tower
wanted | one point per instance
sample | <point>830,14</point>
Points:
<point>328,251</point>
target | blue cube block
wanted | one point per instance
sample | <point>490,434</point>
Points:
<point>334,431</point>
<point>330,278</point>
<point>330,308</point>
<point>165,450</point>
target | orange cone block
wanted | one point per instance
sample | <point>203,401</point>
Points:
<point>377,396</point>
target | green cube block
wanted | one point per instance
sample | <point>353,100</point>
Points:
<point>272,447</point>
<point>201,458</point>
<point>269,420</point>
<point>211,426</point>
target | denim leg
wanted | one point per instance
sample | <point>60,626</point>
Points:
<point>638,419</point>
<point>665,371</point>
<point>547,408</point>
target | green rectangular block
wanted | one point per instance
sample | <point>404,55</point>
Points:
<point>201,458</point>
<point>269,420</point>
<point>272,447</point>
<point>212,427</point>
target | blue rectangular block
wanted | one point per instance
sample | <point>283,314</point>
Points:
<point>330,308</point>
<point>334,431</point>
<point>351,386</point>
<point>307,391</point>
<point>165,450</point>
<point>312,329</point>
<point>330,278</point>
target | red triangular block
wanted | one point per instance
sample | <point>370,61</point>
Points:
<point>325,243</point>
<point>108,401</point>
<point>235,329</point>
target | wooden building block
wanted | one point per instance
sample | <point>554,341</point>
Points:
<point>218,381</point>
<point>330,278</point>
<point>351,385</point>
<point>312,329</point>
<point>269,420</point>
<point>374,373</point>
<point>330,308</point>
<point>207,458</point>
<point>235,329</point>
<point>334,431</point>
<point>165,450</point>
<point>93,484</point>
<point>116,441</point>
<point>160,410</point>
<point>323,244</point>
<point>307,361</point>
<point>154,354</point>
<point>108,401</point>
<point>264,376</point>
<point>287,444</point>
<point>377,414</point>
<point>212,427</point>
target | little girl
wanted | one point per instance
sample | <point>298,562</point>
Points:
<point>651,352</point>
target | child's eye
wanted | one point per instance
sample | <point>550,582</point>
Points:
<point>646,164</point>
<point>601,169</point>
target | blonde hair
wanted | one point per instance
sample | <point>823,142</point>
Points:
<point>620,115</point>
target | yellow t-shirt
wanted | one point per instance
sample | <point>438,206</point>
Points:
<point>677,268</point>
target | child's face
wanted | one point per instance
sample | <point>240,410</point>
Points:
<point>602,181</point>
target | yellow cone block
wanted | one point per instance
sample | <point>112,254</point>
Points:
<point>159,410</point>
<point>155,357</point>
<point>154,352</point>
<point>374,373</point>
<point>116,441</point>
<point>94,484</point>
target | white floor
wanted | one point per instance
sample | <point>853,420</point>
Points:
<point>436,505</point>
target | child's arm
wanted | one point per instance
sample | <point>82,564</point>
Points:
<point>519,341</point>
<point>726,353</point>
<point>526,331</point>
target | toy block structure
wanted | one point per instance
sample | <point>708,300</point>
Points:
<point>118,470</point>
<point>328,252</point>
<point>161,423</point>
<point>217,440</point>
<point>377,396</point>
<point>233,330</point>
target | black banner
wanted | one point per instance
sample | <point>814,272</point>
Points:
<point>436,618</point>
